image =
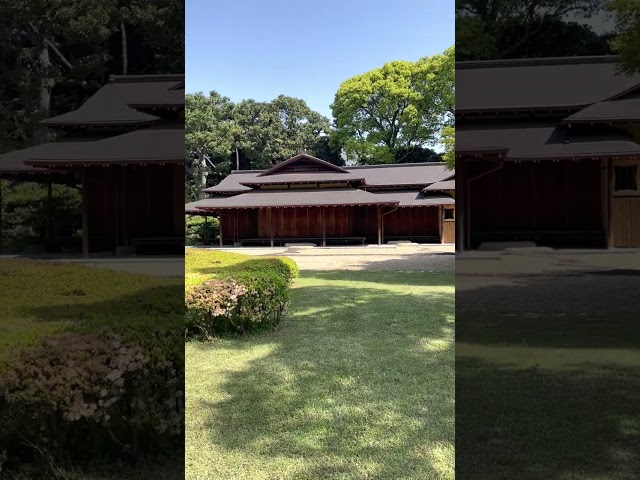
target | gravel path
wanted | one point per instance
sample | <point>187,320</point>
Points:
<point>424,258</point>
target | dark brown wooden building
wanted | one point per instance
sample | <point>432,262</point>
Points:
<point>547,151</point>
<point>125,148</point>
<point>307,199</point>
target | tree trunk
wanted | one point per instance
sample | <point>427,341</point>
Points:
<point>203,175</point>
<point>123,46</point>
<point>44,100</point>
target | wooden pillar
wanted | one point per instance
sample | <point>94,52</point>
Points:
<point>379,225</point>
<point>440,220</point>
<point>271,226</point>
<point>236,231</point>
<point>608,186</point>
<point>85,216</point>
<point>220,230</point>
<point>123,205</point>
<point>49,211</point>
<point>206,229</point>
<point>1,232</point>
<point>461,185</point>
<point>324,227</point>
<point>117,211</point>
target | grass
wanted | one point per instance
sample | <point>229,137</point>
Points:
<point>357,382</point>
<point>40,299</point>
<point>547,395</point>
<point>43,299</point>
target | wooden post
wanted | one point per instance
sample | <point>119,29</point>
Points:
<point>85,217</point>
<point>610,188</point>
<point>117,212</point>
<point>1,233</point>
<point>324,227</point>
<point>206,229</point>
<point>379,225</point>
<point>440,219</point>
<point>49,211</point>
<point>220,230</point>
<point>123,204</point>
<point>271,226</point>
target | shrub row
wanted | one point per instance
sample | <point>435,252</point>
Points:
<point>95,371</point>
<point>240,295</point>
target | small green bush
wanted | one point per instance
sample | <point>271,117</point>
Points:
<point>196,231</point>
<point>240,294</point>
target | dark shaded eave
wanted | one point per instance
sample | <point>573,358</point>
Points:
<point>294,198</point>
<point>609,112</point>
<point>540,141</point>
<point>150,146</point>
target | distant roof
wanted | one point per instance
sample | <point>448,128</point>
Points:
<point>536,141</point>
<point>309,177</point>
<point>441,186</point>
<point>307,159</point>
<point>295,198</point>
<point>539,83</point>
<point>415,199</point>
<point>149,145</point>
<point>406,174</point>
<point>110,106</point>
<point>615,111</point>
<point>13,162</point>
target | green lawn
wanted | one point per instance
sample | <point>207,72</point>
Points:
<point>547,396</point>
<point>357,382</point>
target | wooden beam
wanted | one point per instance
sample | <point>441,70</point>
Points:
<point>440,219</point>
<point>1,233</point>
<point>610,188</point>
<point>271,226</point>
<point>379,225</point>
<point>85,217</point>
<point>324,227</point>
<point>49,211</point>
<point>220,230</point>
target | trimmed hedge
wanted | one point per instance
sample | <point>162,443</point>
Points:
<point>92,366</point>
<point>228,293</point>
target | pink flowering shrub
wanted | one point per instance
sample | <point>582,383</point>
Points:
<point>248,297</point>
<point>73,381</point>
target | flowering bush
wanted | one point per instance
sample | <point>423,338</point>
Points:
<point>73,381</point>
<point>245,294</point>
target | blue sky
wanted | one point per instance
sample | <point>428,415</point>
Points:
<point>305,49</point>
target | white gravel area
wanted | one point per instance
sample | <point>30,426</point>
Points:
<point>423,258</point>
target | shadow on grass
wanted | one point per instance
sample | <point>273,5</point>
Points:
<point>359,384</point>
<point>577,415</point>
<point>540,423</point>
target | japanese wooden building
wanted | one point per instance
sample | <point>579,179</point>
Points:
<point>124,147</point>
<point>547,151</point>
<point>305,199</point>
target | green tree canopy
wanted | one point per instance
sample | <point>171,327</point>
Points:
<point>269,132</point>
<point>209,136</point>
<point>495,29</point>
<point>381,116</point>
<point>626,42</point>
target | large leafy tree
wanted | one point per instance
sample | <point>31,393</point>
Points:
<point>269,132</point>
<point>495,29</point>
<point>626,42</point>
<point>382,116</point>
<point>210,134</point>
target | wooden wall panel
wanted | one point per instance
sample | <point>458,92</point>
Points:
<point>538,196</point>
<point>448,232</point>
<point>626,221</point>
